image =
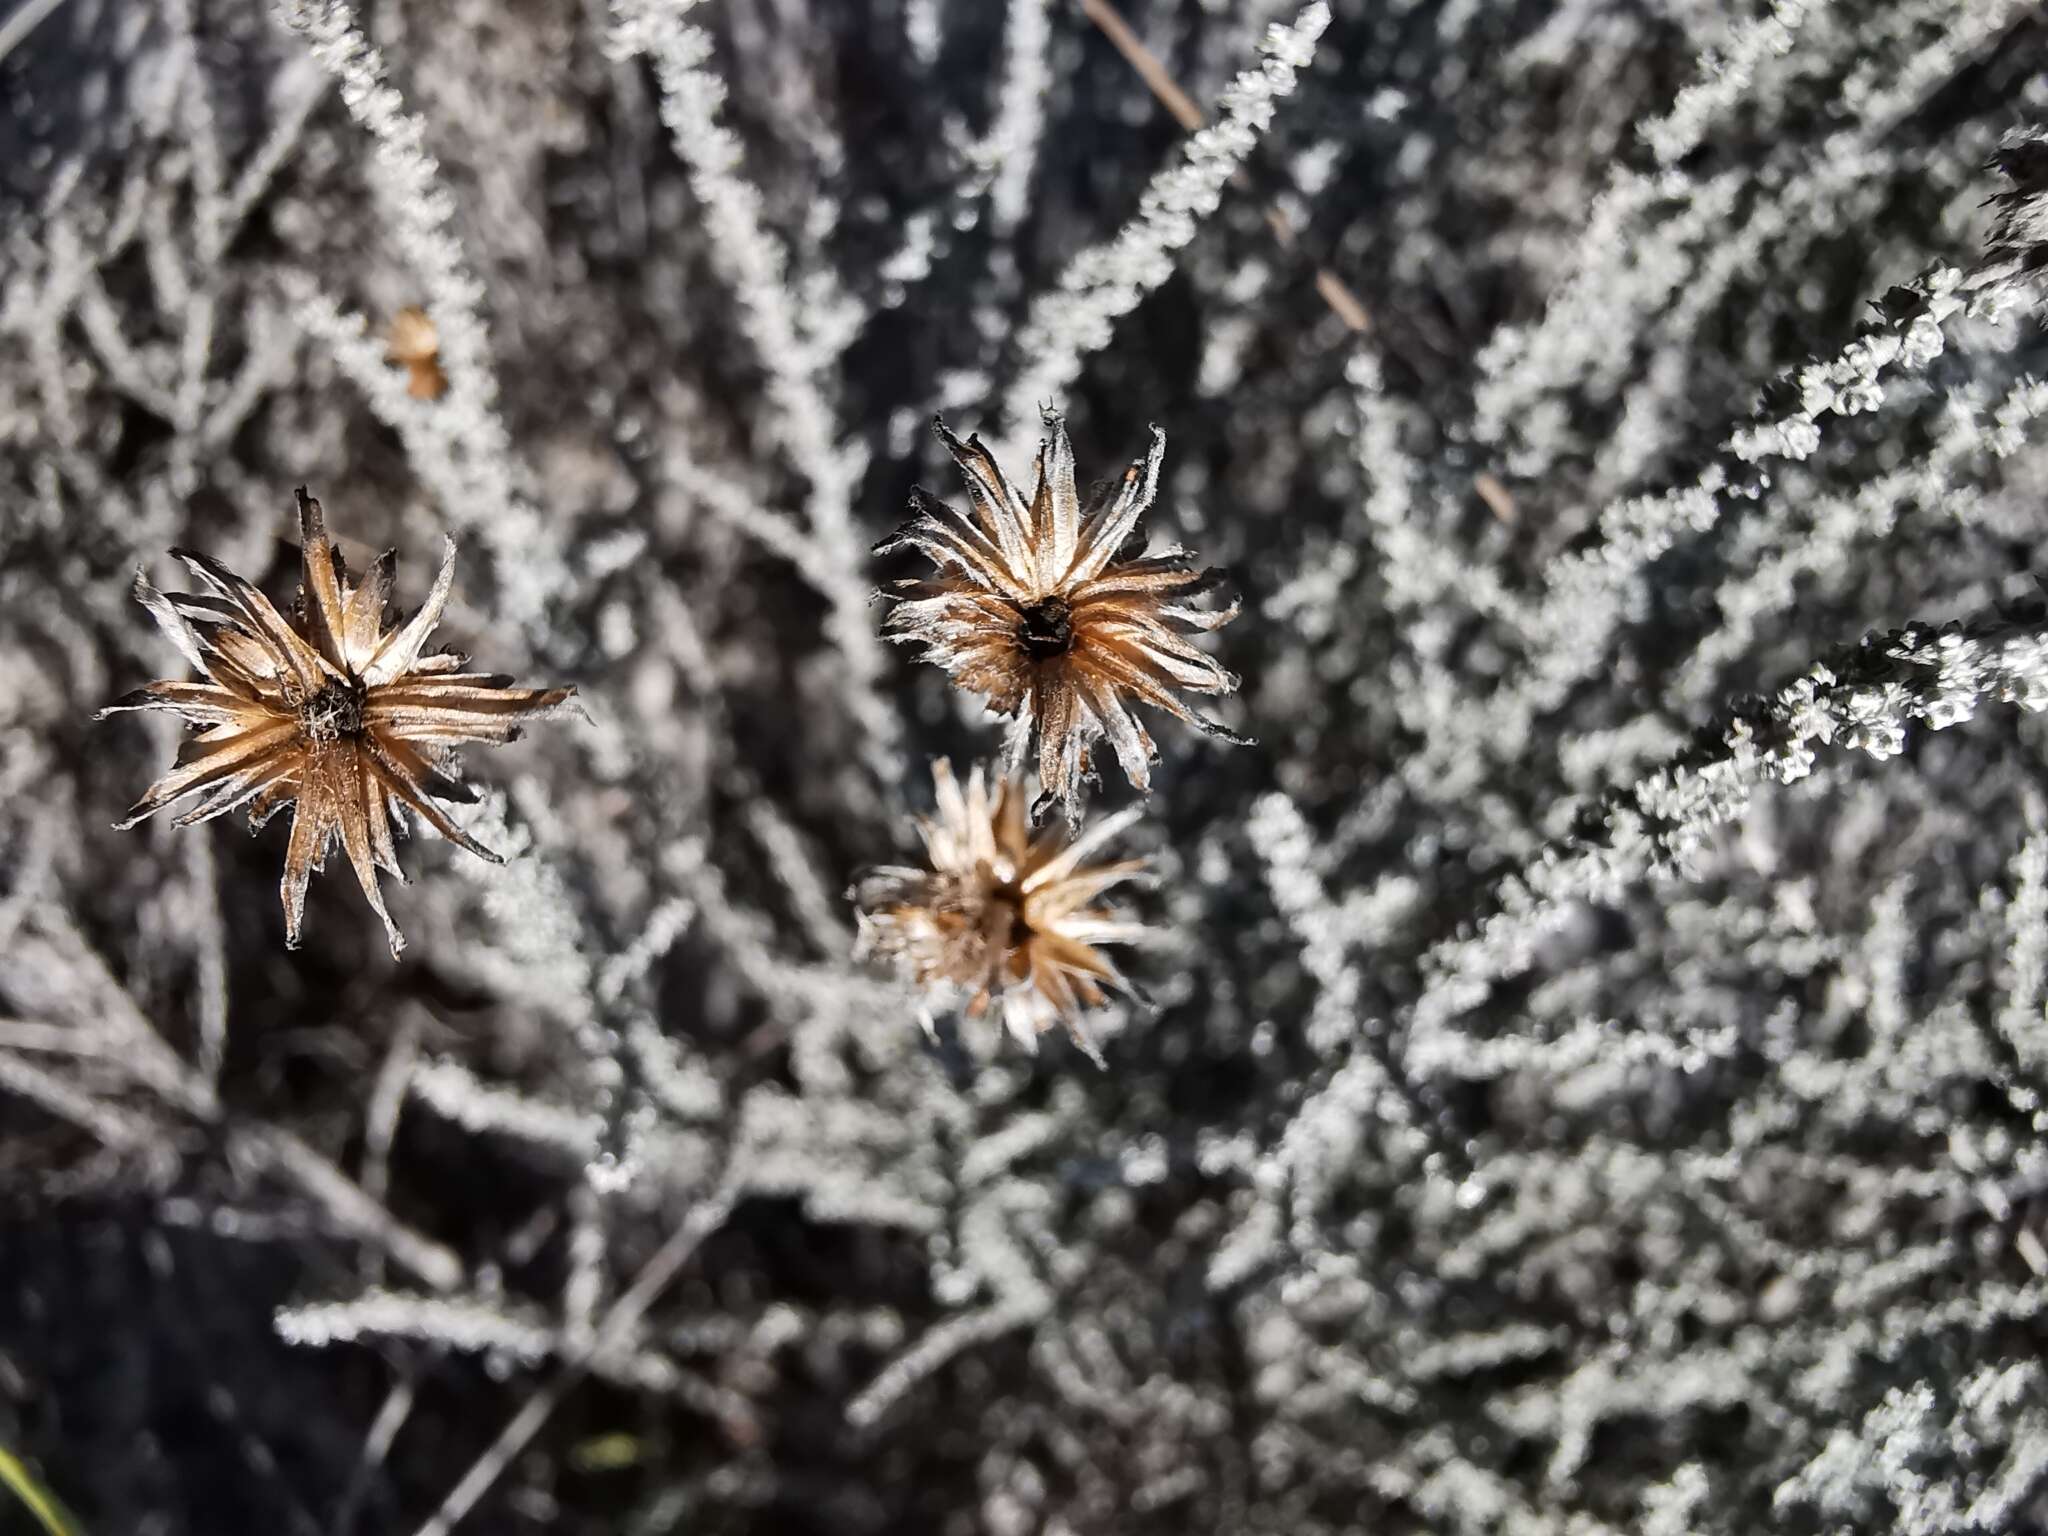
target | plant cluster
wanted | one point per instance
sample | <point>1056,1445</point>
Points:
<point>1593,1069</point>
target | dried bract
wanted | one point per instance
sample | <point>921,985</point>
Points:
<point>416,346</point>
<point>1052,611</point>
<point>1000,917</point>
<point>325,709</point>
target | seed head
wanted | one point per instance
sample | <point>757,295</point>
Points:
<point>1001,919</point>
<point>326,709</point>
<point>1049,612</point>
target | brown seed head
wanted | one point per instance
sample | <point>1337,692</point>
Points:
<point>323,707</point>
<point>1036,609</point>
<point>998,919</point>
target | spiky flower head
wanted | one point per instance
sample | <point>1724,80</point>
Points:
<point>1052,611</point>
<point>999,917</point>
<point>328,710</point>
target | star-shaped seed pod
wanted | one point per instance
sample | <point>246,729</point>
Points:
<point>327,710</point>
<point>1001,918</point>
<point>1052,611</point>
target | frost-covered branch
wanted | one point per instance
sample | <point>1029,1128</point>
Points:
<point>1106,282</point>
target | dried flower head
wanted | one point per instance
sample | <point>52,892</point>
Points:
<point>1000,917</point>
<point>416,346</point>
<point>327,710</point>
<point>1053,613</point>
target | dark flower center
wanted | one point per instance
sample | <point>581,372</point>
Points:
<point>1046,628</point>
<point>1009,895</point>
<point>332,713</point>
